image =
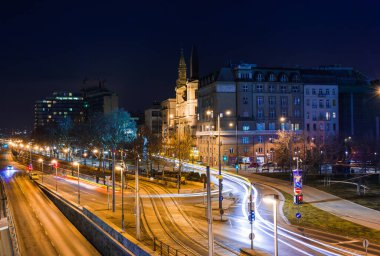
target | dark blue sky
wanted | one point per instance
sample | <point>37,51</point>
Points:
<point>134,45</point>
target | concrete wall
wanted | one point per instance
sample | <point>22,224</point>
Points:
<point>100,239</point>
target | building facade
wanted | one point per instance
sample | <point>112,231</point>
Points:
<point>255,103</point>
<point>153,120</point>
<point>58,108</point>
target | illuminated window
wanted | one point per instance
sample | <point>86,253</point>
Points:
<point>328,116</point>
<point>259,88</point>
<point>245,140</point>
<point>245,127</point>
<point>334,115</point>
<point>245,88</point>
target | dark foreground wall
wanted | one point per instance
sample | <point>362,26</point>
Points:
<point>100,239</point>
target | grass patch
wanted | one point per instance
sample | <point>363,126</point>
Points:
<point>315,218</point>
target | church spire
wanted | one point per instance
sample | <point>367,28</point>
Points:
<point>182,76</point>
<point>194,64</point>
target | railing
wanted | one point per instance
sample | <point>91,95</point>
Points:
<point>11,226</point>
<point>164,249</point>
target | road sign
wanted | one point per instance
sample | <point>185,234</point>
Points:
<point>297,185</point>
<point>251,236</point>
<point>365,245</point>
<point>298,215</point>
<point>220,177</point>
<point>251,216</point>
<point>297,191</point>
<point>221,198</point>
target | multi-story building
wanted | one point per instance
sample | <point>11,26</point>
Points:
<point>260,101</point>
<point>99,98</point>
<point>153,120</point>
<point>167,115</point>
<point>57,108</point>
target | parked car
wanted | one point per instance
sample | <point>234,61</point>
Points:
<point>253,165</point>
<point>9,167</point>
<point>269,164</point>
<point>33,176</point>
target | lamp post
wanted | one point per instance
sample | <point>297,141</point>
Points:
<point>85,158</point>
<point>274,199</point>
<point>122,197</point>
<point>138,229</point>
<point>55,164</point>
<point>77,164</point>
<point>42,168</point>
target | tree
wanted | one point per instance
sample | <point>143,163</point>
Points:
<point>287,144</point>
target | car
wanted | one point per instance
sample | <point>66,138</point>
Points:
<point>253,165</point>
<point>33,176</point>
<point>9,167</point>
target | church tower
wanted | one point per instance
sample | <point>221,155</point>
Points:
<point>194,64</point>
<point>182,73</point>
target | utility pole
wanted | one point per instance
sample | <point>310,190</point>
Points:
<point>209,214</point>
<point>220,172</point>
<point>113,181</point>
<point>138,230</point>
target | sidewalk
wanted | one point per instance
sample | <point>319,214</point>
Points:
<point>340,207</point>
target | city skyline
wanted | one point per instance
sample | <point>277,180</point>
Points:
<point>87,41</point>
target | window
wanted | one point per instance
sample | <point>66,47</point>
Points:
<point>297,113</point>
<point>284,112</point>
<point>328,116</point>
<point>308,127</point>
<point>272,101</point>
<point>333,91</point>
<point>259,88</point>
<point>272,78</point>
<point>245,127</point>
<point>245,100</point>
<point>283,88</point>
<point>283,78</point>
<point>260,150</point>
<point>320,92</point>
<point>272,113</point>
<point>245,88</point>
<point>284,101</point>
<point>272,126</point>
<point>231,150</point>
<point>260,101</point>
<point>259,77</point>
<point>245,140</point>
<point>245,150</point>
<point>307,102</point>
<point>307,91</point>
<point>321,116</point>
<point>260,126</point>
<point>321,104</point>
<point>327,91</point>
<point>334,127</point>
<point>245,114</point>
<point>260,139</point>
<point>314,127</point>
<point>313,91</point>
<point>307,115</point>
<point>272,88</point>
<point>333,103</point>
<point>260,113</point>
<point>297,101</point>
<point>327,126</point>
<point>321,126</point>
<point>295,88</point>
<point>314,104</point>
<point>296,127</point>
<point>314,115</point>
<point>328,104</point>
<point>334,115</point>
<point>296,78</point>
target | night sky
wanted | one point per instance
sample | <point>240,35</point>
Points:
<point>135,45</point>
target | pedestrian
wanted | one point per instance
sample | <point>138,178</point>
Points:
<point>97,179</point>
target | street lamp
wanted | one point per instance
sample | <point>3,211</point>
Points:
<point>42,168</point>
<point>77,164</point>
<point>273,199</point>
<point>138,229</point>
<point>55,164</point>
<point>85,158</point>
<point>122,196</point>
<point>237,146</point>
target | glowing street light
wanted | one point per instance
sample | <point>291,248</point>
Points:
<point>77,164</point>
<point>42,168</point>
<point>55,164</point>
<point>274,200</point>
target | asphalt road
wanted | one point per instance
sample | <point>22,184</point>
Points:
<point>41,228</point>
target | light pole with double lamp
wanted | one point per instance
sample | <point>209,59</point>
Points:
<point>77,164</point>
<point>274,200</point>
<point>55,164</point>
<point>42,168</point>
<point>121,168</point>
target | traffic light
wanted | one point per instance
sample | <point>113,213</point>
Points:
<point>237,166</point>
<point>298,199</point>
<point>225,158</point>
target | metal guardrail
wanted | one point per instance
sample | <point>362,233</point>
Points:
<point>11,226</point>
<point>165,249</point>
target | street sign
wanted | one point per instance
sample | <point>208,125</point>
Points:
<point>221,198</point>
<point>365,245</point>
<point>297,185</point>
<point>219,177</point>
<point>251,216</point>
<point>297,191</point>
<point>251,236</point>
<point>298,215</point>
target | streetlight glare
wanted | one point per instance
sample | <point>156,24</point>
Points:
<point>75,163</point>
<point>40,160</point>
<point>228,112</point>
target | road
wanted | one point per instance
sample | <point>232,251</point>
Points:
<point>41,228</point>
